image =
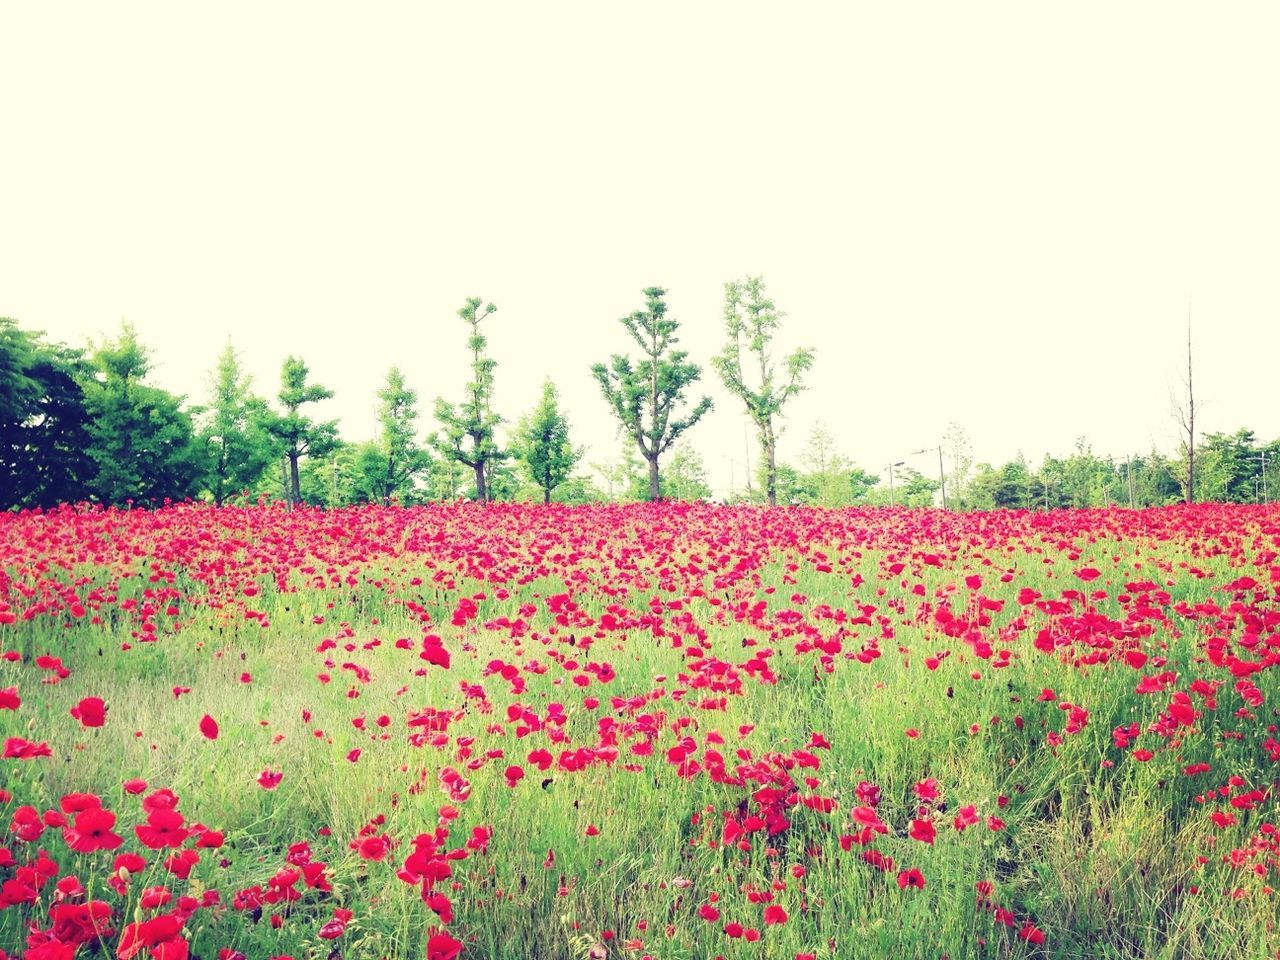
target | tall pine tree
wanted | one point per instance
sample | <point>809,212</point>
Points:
<point>238,447</point>
<point>542,443</point>
<point>140,437</point>
<point>44,425</point>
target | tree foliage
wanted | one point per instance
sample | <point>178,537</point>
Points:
<point>469,429</point>
<point>237,446</point>
<point>141,439</point>
<point>401,459</point>
<point>44,425</point>
<point>299,435</point>
<point>644,396</point>
<point>750,320</point>
<point>686,477</point>
<point>542,443</point>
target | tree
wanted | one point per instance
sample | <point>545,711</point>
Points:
<point>401,459</point>
<point>542,443</point>
<point>444,479</point>
<point>141,439</point>
<point>750,316</point>
<point>344,474</point>
<point>644,396</point>
<point>473,423</point>
<point>44,424</point>
<point>1014,489</point>
<point>826,475</point>
<point>959,453</point>
<point>623,479</point>
<point>1229,465</point>
<point>787,481</point>
<point>1081,480</point>
<point>237,446</point>
<point>1185,413</point>
<point>1153,479</point>
<point>911,488</point>
<point>578,489</point>
<point>687,475</point>
<point>298,434</point>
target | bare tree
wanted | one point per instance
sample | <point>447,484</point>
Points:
<point>1185,413</point>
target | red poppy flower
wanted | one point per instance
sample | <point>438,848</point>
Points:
<point>91,712</point>
<point>911,878</point>
<point>91,830</point>
<point>774,914</point>
<point>442,946</point>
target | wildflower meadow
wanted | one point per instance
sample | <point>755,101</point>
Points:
<point>662,730</point>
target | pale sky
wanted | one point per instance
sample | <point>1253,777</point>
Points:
<point>987,213</point>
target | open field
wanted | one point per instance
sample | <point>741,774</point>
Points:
<point>615,732</point>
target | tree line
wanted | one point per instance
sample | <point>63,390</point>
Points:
<point>85,425</point>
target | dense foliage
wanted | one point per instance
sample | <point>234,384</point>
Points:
<point>91,426</point>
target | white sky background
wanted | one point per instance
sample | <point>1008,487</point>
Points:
<point>987,213</point>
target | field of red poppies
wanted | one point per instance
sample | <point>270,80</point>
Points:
<point>664,731</point>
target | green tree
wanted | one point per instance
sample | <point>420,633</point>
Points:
<point>502,481</point>
<point>750,320</point>
<point>542,443</point>
<point>367,481</point>
<point>911,488</point>
<point>44,424</point>
<point>686,477</point>
<point>1227,465</point>
<point>1015,487</point>
<point>980,492</point>
<point>140,437</point>
<point>789,488</point>
<point>1050,488</point>
<point>623,478</point>
<point>298,434</point>
<point>445,479</point>
<point>826,476</point>
<point>401,458</point>
<point>644,396</point>
<point>578,489</point>
<point>233,433</point>
<point>469,430</point>
<point>344,474</point>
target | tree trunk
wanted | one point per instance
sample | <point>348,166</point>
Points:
<point>481,493</point>
<point>770,464</point>
<point>1191,420</point>
<point>546,495</point>
<point>295,484</point>
<point>654,492</point>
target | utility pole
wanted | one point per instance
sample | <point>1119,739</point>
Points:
<point>1128,476</point>
<point>1262,459</point>
<point>942,477</point>
<point>900,463</point>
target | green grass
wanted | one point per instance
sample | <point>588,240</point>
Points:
<point>1102,858</point>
